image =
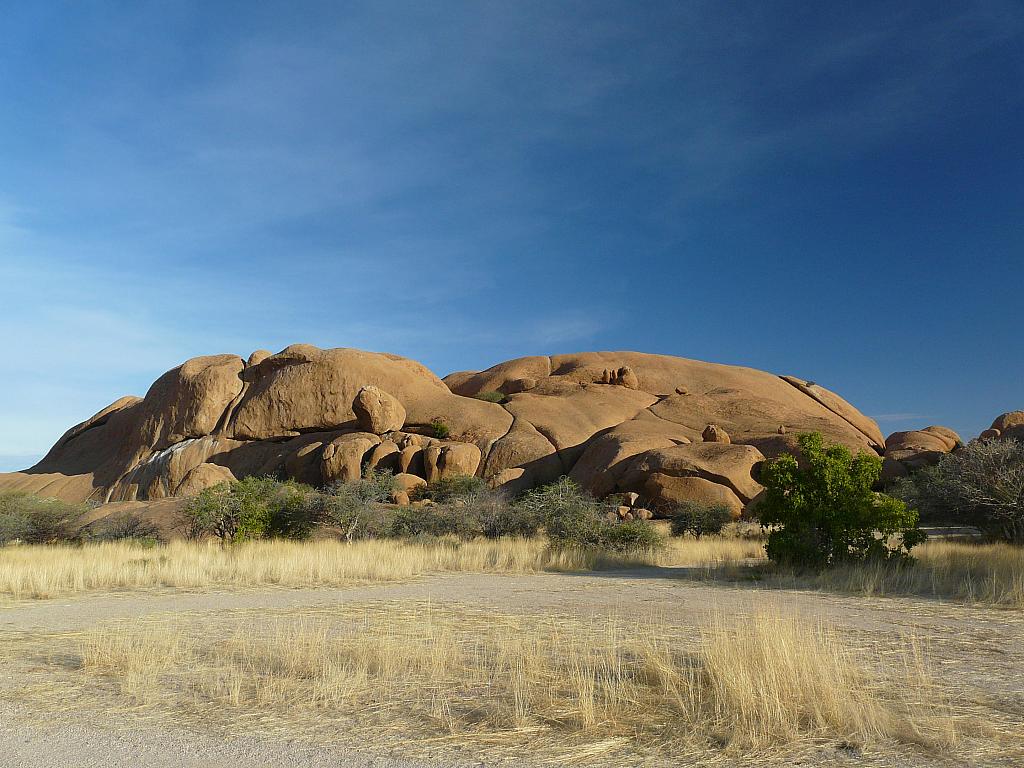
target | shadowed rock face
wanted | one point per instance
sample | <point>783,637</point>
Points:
<point>611,420</point>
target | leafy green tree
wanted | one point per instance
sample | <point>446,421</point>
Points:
<point>825,512</point>
<point>250,509</point>
<point>698,519</point>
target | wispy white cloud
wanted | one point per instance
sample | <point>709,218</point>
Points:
<point>884,418</point>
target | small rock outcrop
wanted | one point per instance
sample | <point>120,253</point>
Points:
<point>907,452</point>
<point>666,476</point>
<point>714,434</point>
<point>342,459</point>
<point>622,377</point>
<point>450,460</point>
<point>1009,425</point>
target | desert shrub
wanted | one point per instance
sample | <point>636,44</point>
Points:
<point>631,536</point>
<point>354,506</point>
<point>14,526</point>
<point>499,518</point>
<point>483,510</point>
<point>827,514</point>
<point>982,484</point>
<point>124,527</point>
<point>37,520</point>
<point>570,515</point>
<point>699,519</point>
<point>251,508</point>
<point>451,488</point>
<point>432,520</point>
<point>490,396</point>
<point>294,511</point>
<point>573,518</point>
<point>440,429</point>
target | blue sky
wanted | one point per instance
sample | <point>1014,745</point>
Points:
<point>830,190</point>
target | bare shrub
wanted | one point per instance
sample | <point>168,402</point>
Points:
<point>982,484</point>
<point>124,526</point>
<point>573,518</point>
<point>354,507</point>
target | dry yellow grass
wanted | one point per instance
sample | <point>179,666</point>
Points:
<point>983,573</point>
<point>50,571</point>
<point>564,685</point>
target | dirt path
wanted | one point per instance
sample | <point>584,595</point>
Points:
<point>975,648</point>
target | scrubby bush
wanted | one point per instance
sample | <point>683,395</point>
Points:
<point>631,536</point>
<point>981,484</point>
<point>500,518</point>
<point>440,429</point>
<point>490,396</point>
<point>699,519</point>
<point>451,488</point>
<point>251,508</point>
<point>573,518</point>
<point>127,526</point>
<point>294,511</point>
<point>826,513</point>
<point>355,506</point>
<point>14,526</point>
<point>37,520</point>
<point>485,511</point>
<point>432,520</point>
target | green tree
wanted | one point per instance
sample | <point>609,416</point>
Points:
<point>825,512</point>
<point>698,518</point>
<point>250,509</point>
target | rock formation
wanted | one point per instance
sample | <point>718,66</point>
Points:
<point>1009,425</point>
<point>614,421</point>
<point>906,452</point>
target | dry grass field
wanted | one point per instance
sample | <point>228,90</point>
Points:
<point>53,571</point>
<point>771,679</point>
<point>985,573</point>
<point>507,653</point>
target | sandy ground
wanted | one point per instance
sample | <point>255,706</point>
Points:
<point>977,649</point>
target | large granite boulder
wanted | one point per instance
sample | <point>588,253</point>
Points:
<point>662,476</point>
<point>907,452</point>
<point>1008,426</point>
<point>377,411</point>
